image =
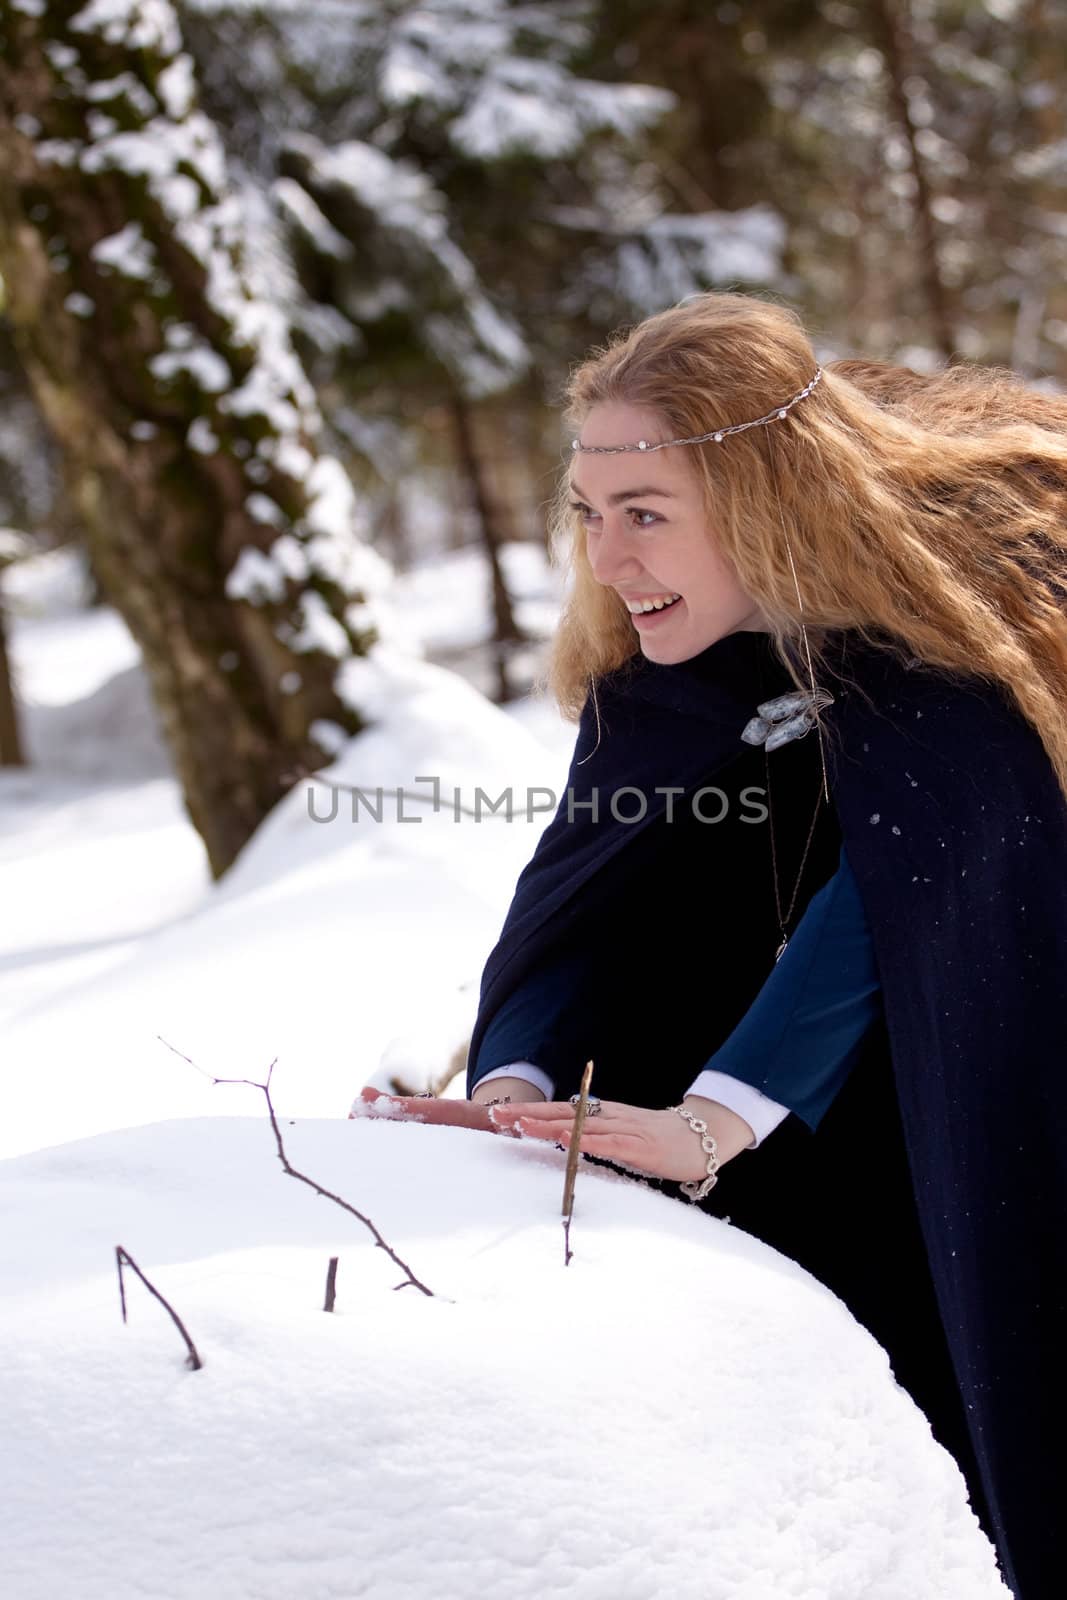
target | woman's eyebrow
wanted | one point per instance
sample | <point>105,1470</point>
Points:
<point>627,494</point>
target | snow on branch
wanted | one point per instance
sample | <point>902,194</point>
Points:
<point>537,108</point>
<point>646,259</point>
<point>132,111</point>
<point>356,195</point>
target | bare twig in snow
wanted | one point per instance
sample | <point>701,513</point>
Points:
<point>302,1177</point>
<point>124,1259</point>
<point>331,1284</point>
<point>573,1155</point>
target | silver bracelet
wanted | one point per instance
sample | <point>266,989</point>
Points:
<point>697,1191</point>
<point>501,1100</point>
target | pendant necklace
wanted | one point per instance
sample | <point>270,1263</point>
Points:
<point>790,716</point>
<point>784,917</point>
<point>779,722</point>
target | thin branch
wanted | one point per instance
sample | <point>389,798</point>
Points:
<point>122,1284</point>
<point>124,1259</point>
<point>331,1284</point>
<point>573,1155</point>
<point>327,1194</point>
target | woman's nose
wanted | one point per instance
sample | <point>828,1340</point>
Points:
<point>610,558</point>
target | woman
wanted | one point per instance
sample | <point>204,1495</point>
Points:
<point>832,936</point>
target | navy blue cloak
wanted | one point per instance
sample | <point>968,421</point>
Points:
<point>932,1197</point>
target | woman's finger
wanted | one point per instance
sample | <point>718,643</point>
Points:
<point>553,1112</point>
<point>376,1103</point>
<point>423,1108</point>
<point>620,1146</point>
<point>535,1130</point>
<point>556,1133</point>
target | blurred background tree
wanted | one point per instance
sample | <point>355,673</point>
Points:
<point>436,208</point>
<point>13,547</point>
<point>461,206</point>
<point>186,427</point>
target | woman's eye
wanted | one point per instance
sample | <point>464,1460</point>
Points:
<point>587,514</point>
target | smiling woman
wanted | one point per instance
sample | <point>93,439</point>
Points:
<point>650,553</point>
<point>857,982</point>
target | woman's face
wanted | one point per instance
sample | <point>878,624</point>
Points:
<point>648,537</point>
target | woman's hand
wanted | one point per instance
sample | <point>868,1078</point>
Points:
<point>659,1143</point>
<point>426,1108</point>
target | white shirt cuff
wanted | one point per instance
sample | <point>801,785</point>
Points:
<point>527,1072</point>
<point>760,1112</point>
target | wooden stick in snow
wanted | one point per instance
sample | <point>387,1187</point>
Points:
<point>331,1284</point>
<point>124,1259</point>
<point>573,1156</point>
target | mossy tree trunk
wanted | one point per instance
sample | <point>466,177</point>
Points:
<point>11,750</point>
<point>185,423</point>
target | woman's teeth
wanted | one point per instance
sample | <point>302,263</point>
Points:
<point>659,604</point>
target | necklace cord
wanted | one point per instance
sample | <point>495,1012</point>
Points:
<point>783,919</point>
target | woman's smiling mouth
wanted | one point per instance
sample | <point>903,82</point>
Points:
<point>655,615</point>
<point>657,602</point>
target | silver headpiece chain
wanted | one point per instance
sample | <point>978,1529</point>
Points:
<point>716,436</point>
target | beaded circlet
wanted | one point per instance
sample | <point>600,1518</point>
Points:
<point>716,435</point>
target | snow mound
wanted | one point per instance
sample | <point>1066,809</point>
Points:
<point>679,1413</point>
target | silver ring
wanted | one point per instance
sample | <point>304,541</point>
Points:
<point>592,1104</point>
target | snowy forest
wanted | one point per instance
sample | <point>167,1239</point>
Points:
<point>298,284</point>
<point>289,292</point>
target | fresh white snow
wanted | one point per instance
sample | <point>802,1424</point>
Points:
<point>331,937</point>
<point>680,1413</point>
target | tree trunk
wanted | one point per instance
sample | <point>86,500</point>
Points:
<point>890,18</point>
<point>1046,190</point>
<point>185,423</point>
<point>506,631</point>
<point>11,751</point>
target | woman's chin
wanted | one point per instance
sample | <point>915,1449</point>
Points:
<point>667,652</point>
<point>662,635</point>
<point>668,645</point>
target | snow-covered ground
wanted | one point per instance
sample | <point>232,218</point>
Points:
<point>95,847</point>
<point>681,1412</point>
<point>337,940</point>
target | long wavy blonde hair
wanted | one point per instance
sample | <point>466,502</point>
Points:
<point>927,513</point>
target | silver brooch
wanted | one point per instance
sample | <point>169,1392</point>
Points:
<point>789,717</point>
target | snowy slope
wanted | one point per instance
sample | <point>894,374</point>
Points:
<point>341,936</point>
<point>326,939</point>
<point>680,1413</point>
<point>95,848</point>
